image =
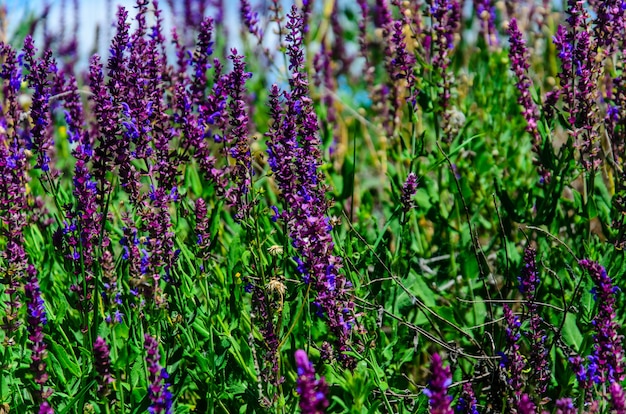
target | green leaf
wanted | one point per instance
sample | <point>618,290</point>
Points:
<point>193,180</point>
<point>479,312</point>
<point>77,397</point>
<point>423,291</point>
<point>571,333</point>
<point>200,329</point>
<point>63,357</point>
<point>136,373</point>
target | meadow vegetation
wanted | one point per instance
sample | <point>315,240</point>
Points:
<point>371,206</point>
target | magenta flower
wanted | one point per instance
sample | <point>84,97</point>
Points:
<point>467,401</point>
<point>251,20</point>
<point>14,176</point>
<point>565,406</point>
<point>40,70</point>
<point>526,405</point>
<point>312,391</point>
<point>486,12</point>
<point>577,50</point>
<point>158,390</point>
<point>237,138</point>
<point>102,363</point>
<point>513,360</point>
<point>606,362</point>
<point>618,399</point>
<point>408,191</point>
<point>294,157</point>
<point>528,283</point>
<point>519,56</point>
<point>36,321</point>
<point>437,390</point>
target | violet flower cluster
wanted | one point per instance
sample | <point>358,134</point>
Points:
<point>512,358</point>
<point>446,20</point>
<point>222,118</point>
<point>158,390</point>
<point>519,56</point>
<point>617,398</point>
<point>312,391</point>
<point>237,139</point>
<point>130,111</point>
<point>609,24</point>
<point>190,17</point>
<point>606,363</point>
<point>363,42</point>
<point>13,180</point>
<point>577,50</point>
<point>526,405</point>
<point>102,364</point>
<point>36,321</point>
<point>486,12</point>
<point>437,390</point>
<point>82,234</point>
<point>294,157</point>
<point>466,403</point>
<point>565,406</point>
<point>382,14</point>
<point>408,192</point>
<point>39,70</point>
<point>112,150</point>
<point>402,66</point>
<point>399,65</point>
<point>538,358</point>
<point>263,317</point>
<point>16,271</point>
<point>251,20</point>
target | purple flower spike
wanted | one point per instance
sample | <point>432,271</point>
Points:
<point>202,228</point>
<point>446,19</point>
<point>565,406</point>
<point>382,14</point>
<point>45,408</point>
<point>519,64</point>
<point>528,283</point>
<point>486,12</point>
<point>402,62</point>
<point>514,360</point>
<point>437,391</point>
<point>526,405</point>
<point>238,137</point>
<point>312,391</point>
<point>618,399</point>
<point>610,23</point>
<point>529,278</point>
<point>580,70</point>
<point>158,391</point>
<point>251,20</point>
<point>408,191</point>
<point>467,400</point>
<point>14,176</point>
<point>36,321</point>
<point>102,362</point>
<point>40,69</point>
<point>294,157</point>
<point>606,361</point>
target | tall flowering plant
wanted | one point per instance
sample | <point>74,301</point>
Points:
<point>294,157</point>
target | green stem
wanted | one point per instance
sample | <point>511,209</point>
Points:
<point>297,318</point>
